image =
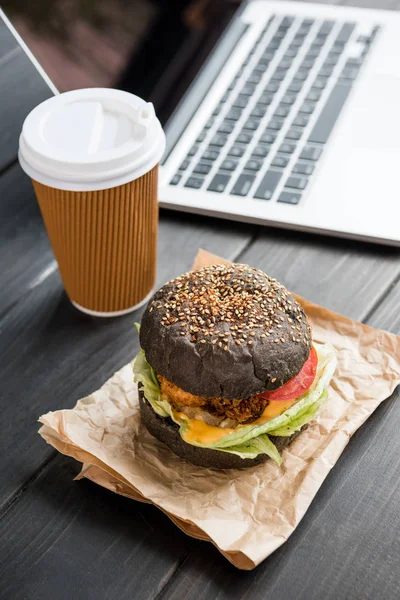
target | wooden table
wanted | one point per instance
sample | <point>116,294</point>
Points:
<point>66,540</point>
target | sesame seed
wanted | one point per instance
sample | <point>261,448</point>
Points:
<point>273,380</point>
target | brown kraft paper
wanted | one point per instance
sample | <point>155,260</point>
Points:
<point>246,514</point>
<point>105,242</point>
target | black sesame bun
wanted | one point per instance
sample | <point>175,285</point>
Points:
<point>167,431</point>
<point>225,331</point>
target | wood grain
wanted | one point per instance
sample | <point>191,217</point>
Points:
<point>21,90</point>
<point>26,258</point>
<point>66,540</point>
<point>51,354</point>
<point>348,277</point>
<point>63,539</point>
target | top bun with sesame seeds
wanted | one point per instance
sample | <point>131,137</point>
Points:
<point>225,331</point>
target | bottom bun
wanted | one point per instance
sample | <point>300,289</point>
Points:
<point>165,430</point>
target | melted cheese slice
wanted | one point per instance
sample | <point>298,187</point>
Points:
<point>199,432</point>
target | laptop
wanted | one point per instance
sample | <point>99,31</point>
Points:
<point>294,122</point>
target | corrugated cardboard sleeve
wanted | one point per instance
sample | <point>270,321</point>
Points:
<point>105,242</point>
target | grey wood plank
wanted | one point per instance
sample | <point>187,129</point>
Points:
<point>69,539</point>
<point>8,42</point>
<point>25,253</point>
<point>22,88</point>
<point>345,276</point>
<point>387,313</point>
<point>51,354</point>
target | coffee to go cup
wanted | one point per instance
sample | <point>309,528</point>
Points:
<point>93,158</point>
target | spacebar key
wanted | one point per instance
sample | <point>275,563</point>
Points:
<point>330,113</point>
<point>267,186</point>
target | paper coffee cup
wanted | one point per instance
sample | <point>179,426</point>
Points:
<point>93,158</point>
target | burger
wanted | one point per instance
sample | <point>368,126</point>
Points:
<point>228,373</point>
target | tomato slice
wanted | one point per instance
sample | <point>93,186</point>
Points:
<point>299,384</point>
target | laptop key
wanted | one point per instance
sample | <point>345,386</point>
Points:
<point>219,182</point>
<point>194,182</point>
<point>289,198</point>
<point>176,179</point>
<point>244,137</point>
<point>326,27</point>
<point>287,148</point>
<point>275,124</point>
<point>226,127</point>
<point>285,64</point>
<point>295,86</point>
<point>261,151</point>
<point>330,113</point>
<point>311,153</point>
<point>237,151</point>
<point>282,111</point>
<point>331,60</point>
<point>265,99</point>
<point>313,52</point>
<point>291,52</point>
<point>272,87</point>
<point>289,99</point>
<point>303,168</point>
<point>201,137</point>
<point>345,32</point>
<point>241,101</point>
<point>268,137</point>
<point>320,83</point>
<point>254,78</point>
<point>243,185</point>
<point>325,71</point>
<point>294,134</point>
<point>253,165</point>
<point>219,140</point>
<point>184,164</point>
<point>229,165</point>
<point>260,67</point>
<point>202,169</point>
<point>301,75</point>
<point>252,124</point>
<point>307,64</point>
<point>248,90</point>
<point>313,96</point>
<point>298,183</point>
<point>234,114</point>
<point>210,155</point>
<point>280,161</point>
<point>349,73</point>
<point>193,150</point>
<point>307,108</point>
<point>279,75</point>
<point>266,189</point>
<point>258,111</point>
<point>301,120</point>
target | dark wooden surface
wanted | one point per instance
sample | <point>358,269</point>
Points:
<point>62,539</point>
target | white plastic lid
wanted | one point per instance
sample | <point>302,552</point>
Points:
<point>90,139</point>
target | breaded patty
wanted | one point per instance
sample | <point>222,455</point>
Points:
<point>242,411</point>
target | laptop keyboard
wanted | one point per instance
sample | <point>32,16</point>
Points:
<point>266,135</point>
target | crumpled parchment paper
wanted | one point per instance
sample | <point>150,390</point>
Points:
<point>246,514</point>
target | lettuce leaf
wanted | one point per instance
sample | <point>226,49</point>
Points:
<point>251,449</point>
<point>146,378</point>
